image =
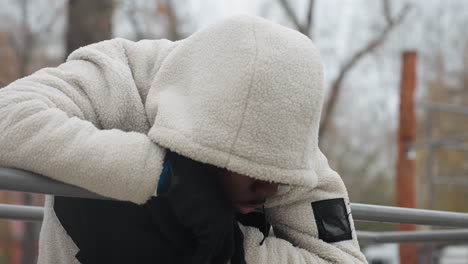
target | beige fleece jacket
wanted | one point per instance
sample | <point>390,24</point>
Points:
<point>243,94</point>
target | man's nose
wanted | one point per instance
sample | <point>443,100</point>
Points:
<point>265,189</point>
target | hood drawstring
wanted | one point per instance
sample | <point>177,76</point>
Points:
<point>256,219</point>
<point>266,226</point>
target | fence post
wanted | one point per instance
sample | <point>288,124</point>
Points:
<point>405,161</point>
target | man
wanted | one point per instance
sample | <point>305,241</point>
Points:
<point>242,96</point>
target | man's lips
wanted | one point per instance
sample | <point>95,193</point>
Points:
<point>245,208</point>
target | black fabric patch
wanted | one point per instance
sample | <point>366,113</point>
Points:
<point>332,220</point>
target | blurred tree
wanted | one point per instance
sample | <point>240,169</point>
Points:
<point>20,45</point>
<point>368,183</point>
<point>448,164</point>
<point>89,21</point>
<point>7,57</point>
<point>20,41</point>
<point>392,21</point>
<point>167,8</point>
<point>154,19</point>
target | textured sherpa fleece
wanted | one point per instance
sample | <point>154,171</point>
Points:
<point>243,94</point>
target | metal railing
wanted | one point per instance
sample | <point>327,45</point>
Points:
<point>23,181</point>
<point>400,215</point>
<point>429,236</point>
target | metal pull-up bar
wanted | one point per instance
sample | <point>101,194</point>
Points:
<point>23,181</point>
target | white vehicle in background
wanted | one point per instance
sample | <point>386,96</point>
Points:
<point>454,255</point>
<point>382,254</point>
<point>389,254</point>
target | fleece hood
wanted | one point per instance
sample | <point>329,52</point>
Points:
<point>244,94</point>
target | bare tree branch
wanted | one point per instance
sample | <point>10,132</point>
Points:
<point>291,15</point>
<point>371,46</point>
<point>310,19</point>
<point>24,42</point>
<point>132,11</point>
<point>305,28</point>
<point>50,17</point>
<point>25,48</point>
<point>3,82</point>
<point>165,11</point>
<point>172,21</point>
<point>387,11</point>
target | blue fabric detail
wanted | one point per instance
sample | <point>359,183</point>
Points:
<point>163,175</point>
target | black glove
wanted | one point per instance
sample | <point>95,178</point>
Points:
<point>192,191</point>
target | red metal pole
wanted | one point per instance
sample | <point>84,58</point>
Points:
<point>405,162</point>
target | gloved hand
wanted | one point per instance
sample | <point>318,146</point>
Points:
<point>193,193</point>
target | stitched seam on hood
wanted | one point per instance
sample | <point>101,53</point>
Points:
<point>229,153</point>
<point>249,93</point>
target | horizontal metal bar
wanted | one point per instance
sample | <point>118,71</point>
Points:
<point>429,236</point>
<point>36,213</point>
<point>443,144</point>
<point>451,144</point>
<point>459,147</point>
<point>389,214</point>
<point>450,180</point>
<point>23,181</point>
<point>444,107</point>
<point>21,212</point>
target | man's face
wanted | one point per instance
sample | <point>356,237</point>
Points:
<point>246,193</point>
